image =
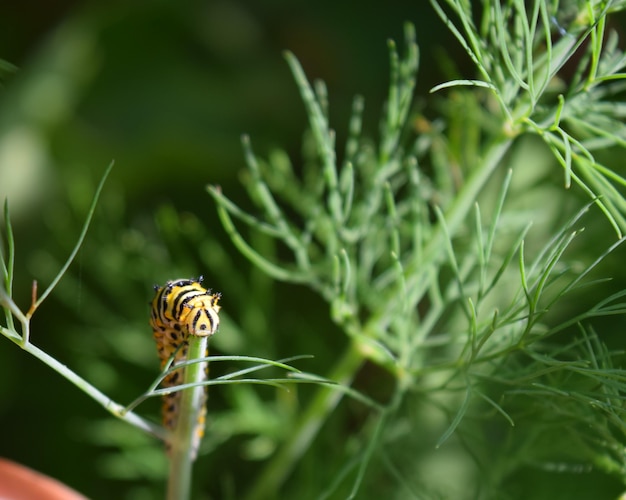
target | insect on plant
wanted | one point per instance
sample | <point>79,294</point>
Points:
<point>180,309</point>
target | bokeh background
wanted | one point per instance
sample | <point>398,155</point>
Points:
<point>165,89</point>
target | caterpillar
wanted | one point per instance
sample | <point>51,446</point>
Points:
<point>182,308</point>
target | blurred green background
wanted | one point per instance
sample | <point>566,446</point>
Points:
<point>165,89</point>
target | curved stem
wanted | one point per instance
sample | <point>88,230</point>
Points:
<point>111,406</point>
<point>307,428</point>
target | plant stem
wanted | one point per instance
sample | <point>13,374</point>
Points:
<point>184,435</point>
<point>307,428</point>
<point>455,217</point>
<point>110,405</point>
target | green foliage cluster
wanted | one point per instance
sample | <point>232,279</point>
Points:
<point>423,285</point>
<point>470,340</point>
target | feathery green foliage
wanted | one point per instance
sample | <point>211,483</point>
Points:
<point>455,306</point>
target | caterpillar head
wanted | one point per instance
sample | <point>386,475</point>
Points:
<point>200,315</point>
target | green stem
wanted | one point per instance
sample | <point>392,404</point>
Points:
<point>182,439</point>
<point>307,428</point>
<point>72,256</point>
<point>455,217</point>
<point>108,404</point>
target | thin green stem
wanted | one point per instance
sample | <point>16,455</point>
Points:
<point>107,403</point>
<point>183,438</point>
<point>70,259</point>
<point>323,403</point>
<point>7,269</point>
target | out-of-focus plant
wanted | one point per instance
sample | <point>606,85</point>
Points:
<point>421,243</point>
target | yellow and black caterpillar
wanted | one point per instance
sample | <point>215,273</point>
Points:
<point>182,308</point>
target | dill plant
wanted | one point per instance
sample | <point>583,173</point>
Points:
<point>447,258</point>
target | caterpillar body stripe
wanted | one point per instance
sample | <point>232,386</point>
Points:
<point>182,308</point>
